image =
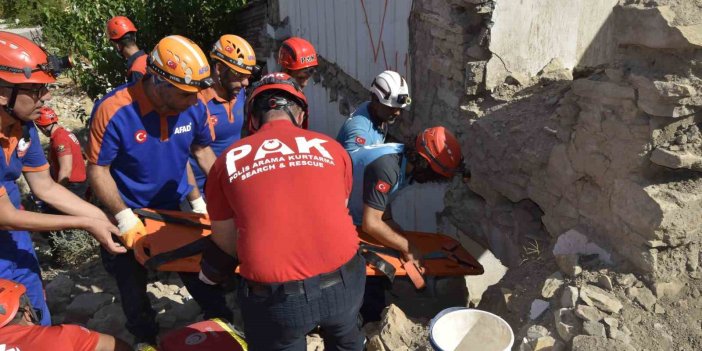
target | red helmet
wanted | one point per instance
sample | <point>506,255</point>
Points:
<point>23,61</point>
<point>118,26</point>
<point>441,149</point>
<point>297,53</point>
<point>47,117</point>
<point>275,81</point>
<point>10,295</point>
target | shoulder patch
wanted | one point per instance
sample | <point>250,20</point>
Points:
<point>382,186</point>
<point>60,148</point>
<point>360,140</point>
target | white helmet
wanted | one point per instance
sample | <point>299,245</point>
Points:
<point>391,89</point>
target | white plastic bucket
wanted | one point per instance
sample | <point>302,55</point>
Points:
<point>464,329</point>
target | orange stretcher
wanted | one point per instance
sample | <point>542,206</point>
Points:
<point>175,240</point>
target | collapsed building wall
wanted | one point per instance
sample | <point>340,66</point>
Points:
<point>578,153</point>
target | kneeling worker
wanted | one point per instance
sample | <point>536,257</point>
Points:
<point>379,172</point>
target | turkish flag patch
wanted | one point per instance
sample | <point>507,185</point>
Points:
<point>360,140</point>
<point>382,186</point>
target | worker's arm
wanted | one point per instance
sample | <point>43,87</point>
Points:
<point>379,179</point>
<point>131,228</point>
<point>224,235</point>
<point>204,156</point>
<point>220,258</point>
<point>375,226</point>
<point>110,343</point>
<point>105,188</point>
<point>14,219</point>
<point>65,169</point>
<point>195,193</point>
<point>59,197</point>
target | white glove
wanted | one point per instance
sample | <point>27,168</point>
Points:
<point>199,206</point>
<point>130,227</point>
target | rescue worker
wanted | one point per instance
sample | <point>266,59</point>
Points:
<point>277,204</point>
<point>20,329</point>
<point>379,172</point>
<point>66,166</point>
<point>368,125</point>
<point>122,34</point>
<point>233,63</point>
<point>66,162</point>
<point>25,71</point>
<point>141,135</point>
<point>298,59</point>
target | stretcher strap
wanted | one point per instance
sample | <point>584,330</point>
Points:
<point>379,263</point>
<point>190,249</point>
<point>162,217</point>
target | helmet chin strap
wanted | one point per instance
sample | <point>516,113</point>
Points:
<point>10,109</point>
<point>292,117</point>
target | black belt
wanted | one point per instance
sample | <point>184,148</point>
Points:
<point>297,287</point>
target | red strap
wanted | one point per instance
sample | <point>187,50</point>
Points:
<point>414,274</point>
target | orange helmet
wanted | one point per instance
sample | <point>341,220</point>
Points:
<point>441,149</point>
<point>297,53</point>
<point>118,26</point>
<point>22,61</point>
<point>180,61</point>
<point>10,295</point>
<point>276,81</point>
<point>235,52</point>
<point>47,117</point>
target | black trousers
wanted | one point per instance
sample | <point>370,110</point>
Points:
<point>279,321</point>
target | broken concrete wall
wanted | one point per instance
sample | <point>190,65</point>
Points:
<point>572,154</point>
<point>527,35</point>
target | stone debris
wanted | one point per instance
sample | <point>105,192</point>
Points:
<point>568,264</point>
<point>567,324</point>
<point>611,322</point>
<point>594,343</point>
<point>399,332</point>
<point>315,343</point>
<point>643,296</point>
<point>605,301</point>
<point>110,320</point>
<point>507,298</point>
<point>588,313</point>
<point>536,331</point>
<point>544,343</point>
<point>620,335</point>
<point>538,307</point>
<point>58,293</point>
<point>573,242</point>
<point>626,280</point>
<point>605,282</point>
<point>85,305</point>
<point>669,290</point>
<point>594,328</point>
<point>551,285</point>
<point>375,344</point>
<point>569,297</point>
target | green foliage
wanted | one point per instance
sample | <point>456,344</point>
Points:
<point>72,247</point>
<point>26,11</point>
<point>80,30</point>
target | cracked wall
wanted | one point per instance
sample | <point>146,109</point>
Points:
<point>613,153</point>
